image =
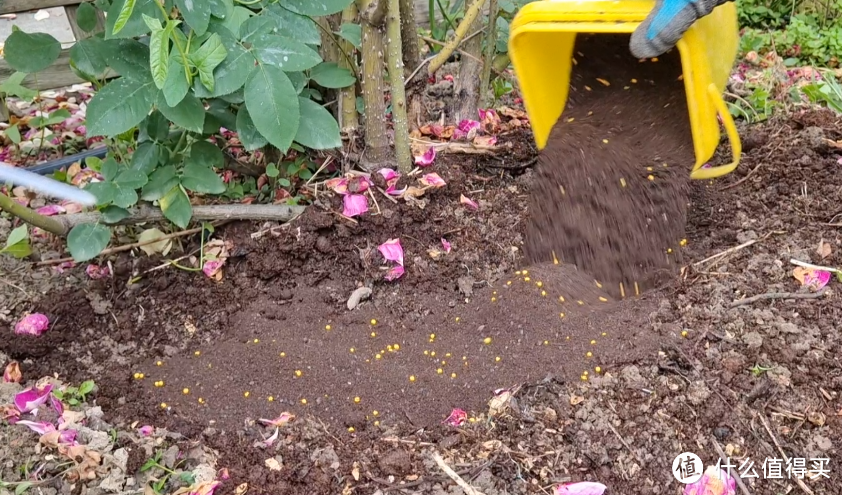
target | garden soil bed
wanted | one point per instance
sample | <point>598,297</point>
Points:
<point>674,363</point>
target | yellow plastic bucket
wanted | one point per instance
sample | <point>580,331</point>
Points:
<point>541,41</point>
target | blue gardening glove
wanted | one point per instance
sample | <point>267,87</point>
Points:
<point>666,24</point>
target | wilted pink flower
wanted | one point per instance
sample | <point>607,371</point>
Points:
<point>581,488</point>
<point>394,273</point>
<point>34,324</point>
<point>339,185</point>
<point>389,174</point>
<point>445,245</point>
<point>468,202</point>
<point>466,129</point>
<point>211,267</point>
<point>71,207</point>
<point>61,267</point>
<point>67,437</point>
<point>432,180</point>
<point>40,427</point>
<point>146,430</point>
<point>355,204</point>
<point>427,158</point>
<point>457,418</point>
<point>50,210</point>
<point>97,272</point>
<point>57,406</point>
<point>358,184</point>
<point>392,251</point>
<point>12,373</point>
<point>206,488</point>
<point>281,420</point>
<point>713,483</point>
<point>816,279</point>
<point>32,398</point>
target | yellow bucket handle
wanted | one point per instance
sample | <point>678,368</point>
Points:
<point>733,136</point>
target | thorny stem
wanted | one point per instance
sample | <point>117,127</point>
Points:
<point>459,34</point>
<point>394,58</point>
<point>488,56</point>
<point>376,140</point>
<point>349,119</point>
<point>31,216</point>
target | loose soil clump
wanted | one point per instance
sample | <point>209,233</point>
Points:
<point>611,187</point>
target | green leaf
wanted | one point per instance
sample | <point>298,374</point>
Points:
<point>56,117</point>
<point>86,17</point>
<point>295,26</point>
<point>19,250</point>
<point>87,240</point>
<point>272,170</point>
<point>318,129</point>
<point>299,81</point>
<point>330,75</point>
<point>104,192</point>
<point>17,235</point>
<point>113,214</point>
<point>12,87</point>
<point>352,33</point>
<point>256,26</point>
<point>159,49</point>
<point>316,8</point>
<point>30,52</point>
<point>205,154</point>
<point>134,25</point>
<point>145,158</point>
<point>13,133</point>
<point>131,178</point>
<point>207,58</point>
<point>273,105</point>
<point>219,115</point>
<point>160,182</point>
<point>232,73</point>
<point>286,53</point>
<point>221,8</point>
<point>124,197</point>
<point>238,16</point>
<point>123,18</point>
<point>110,168</point>
<point>196,14</point>
<point>22,488</point>
<point>129,58</point>
<point>94,163</point>
<point>88,55</point>
<point>86,387</point>
<point>201,179</point>
<point>176,207</point>
<point>311,93</point>
<point>157,127</point>
<point>177,85</point>
<point>119,106</point>
<point>188,114</point>
<point>247,132</point>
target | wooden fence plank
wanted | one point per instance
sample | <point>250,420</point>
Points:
<point>15,6</point>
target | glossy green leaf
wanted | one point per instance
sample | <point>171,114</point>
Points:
<point>124,15</point>
<point>196,14</point>
<point>298,27</point>
<point>18,250</point>
<point>86,17</point>
<point>232,73</point>
<point>272,171</point>
<point>129,58</point>
<point>330,75</point>
<point>145,157</point>
<point>177,85</point>
<point>256,26</point>
<point>88,55</point>
<point>13,133</point>
<point>113,214</point>
<point>207,58</point>
<point>316,7</point>
<point>30,52</point>
<point>206,154</point>
<point>109,169</point>
<point>160,183</point>
<point>134,25</point>
<point>85,241</point>
<point>285,53</point>
<point>247,132</point>
<point>221,8</point>
<point>299,81</point>
<point>51,119</point>
<point>201,179</point>
<point>188,114</point>
<point>16,235</point>
<point>159,49</point>
<point>176,207</point>
<point>352,33</point>
<point>13,87</point>
<point>318,129</point>
<point>131,178</point>
<point>157,127</point>
<point>119,106</point>
<point>273,105</point>
<point>124,197</point>
<point>238,16</point>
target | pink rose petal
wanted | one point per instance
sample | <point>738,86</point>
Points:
<point>713,483</point>
<point>269,441</point>
<point>485,141</point>
<point>466,130</point>
<point>581,488</point>
<point>34,324</point>
<point>62,267</point>
<point>394,273</point>
<point>432,180</point>
<point>339,185</point>
<point>281,420</point>
<point>146,430</point>
<point>32,398</point>
<point>446,245</point>
<point>50,210</point>
<point>457,418</point>
<point>468,202</point>
<point>57,406</point>
<point>427,158</point>
<point>97,272</point>
<point>67,437</point>
<point>212,267</point>
<point>355,204</point>
<point>358,184</point>
<point>388,174</point>
<point>12,373</point>
<point>816,279</point>
<point>392,251</point>
<point>40,427</point>
<point>393,191</point>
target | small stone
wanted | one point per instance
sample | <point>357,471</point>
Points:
<point>721,433</point>
<point>753,340</point>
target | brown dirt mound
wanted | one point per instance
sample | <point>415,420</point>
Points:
<point>611,187</point>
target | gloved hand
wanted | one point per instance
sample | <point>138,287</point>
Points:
<point>666,24</point>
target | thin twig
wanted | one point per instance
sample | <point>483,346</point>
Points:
<point>735,475</point>
<point>776,295</point>
<point>324,165</point>
<point>468,489</point>
<point>735,184</point>
<point>798,481</point>
<point>625,444</point>
<point>371,194</point>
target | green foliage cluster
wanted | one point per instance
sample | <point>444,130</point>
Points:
<point>184,69</point>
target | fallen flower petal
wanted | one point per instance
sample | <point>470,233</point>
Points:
<point>10,414</point>
<point>432,180</point>
<point>146,430</point>
<point>395,273</point>
<point>468,125</point>
<point>212,267</point>
<point>206,488</point>
<point>67,437</point>
<point>281,420</point>
<point>427,158</point>
<point>269,441</point>
<point>34,324</point>
<point>32,398</point>
<point>60,268</point>
<point>50,210</point>
<point>485,141</point>
<point>388,174</point>
<point>581,488</point>
<point>392,251</point>
<point>97,272</point>
<point>468,202</point>
<point>392,191</point>
<point>39,427</point>
<point>355,204</point>
<point>12,373</point>
<point>713,483</point>
<point>446,245</point>
<point>339,185</point>
<point>58,407</point>
<point>457,418</point>
<point>223,474</point>
<point>816,279</point>
<point>358,185</point>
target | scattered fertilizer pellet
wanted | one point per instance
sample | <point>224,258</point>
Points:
<point>352,350</point>
<point>432,336</point>
<point>351,429</point>
<point>593,342</point>
<point>159,363</point>
<point>375,413</point>
<point>603,81</point>
<point>486,340</point>
<point>603,299</point>
<point>570,119</point>
<point>650,177</point>
<point>622,291</point>
<point>669,250</point>
<point>433,353</point>
<point>561,298</point>
<point>439,371</point>
<point>270,399</point>
<point>357,400</point>
<point>396,347</point>
<point>543,293</point>
<point>373,334</point>
<point>546,342</point>
<point>561,315</point>
<point>283,354</point>
<point>377,423</point>
<point>605,141</point>
<point>634,81</point>
<point>497,359</point>
<point>507,283</point>
<point>373,321</point>
<point>585,372</point>
<point>453,375</point>
<point>598,369</point>
<point>442,362</point>
<point>201,400</point>
<point>256,341</point>
<point>163,405</point>
<point>304,401</point>
<point>518,272</point>
<point>246,394</point>
<point>493,299</point>
<point>526,279</point>
<point>377,356</point>
<point>654,59</point>
<point>684,333</point>
<point>683,242</point>
<point>539,284</point>
<point>526,272</point>
<point>327,327</point>
<point>622,182</point>
<point>589,354</point>
<point>412,378</point>
<point>185,391</point>
<point>446,355</point>
<point>298,373</point>
<point>584,378</point>
<point>587,88</point>
<point>198,353</point>
<point>627,88</point>
<point>636,289</point>
<point>604,334</point>
<point>580,303</point>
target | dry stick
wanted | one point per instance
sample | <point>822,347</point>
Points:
<point>726,252</point>
<point>324,165</point>
<point>466,148</point>
<point>458,36</point>
<point>776,295</point>
<point>798,481</point>
<point>468,489</point>
<point>735,475</point>
<point>626,445</point>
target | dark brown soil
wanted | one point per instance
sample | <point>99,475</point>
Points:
<point>611,186</point>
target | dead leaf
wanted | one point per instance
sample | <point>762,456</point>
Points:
<point>355,472</point>
<point>576,399</point>
<point>273,464</point>
<point>800,273</point>
<point>241,489</point>
<point>816,418</point>
<point>824,249</point>
<point>412,477</point>
<point>434,253</point>
<point>149,235</point>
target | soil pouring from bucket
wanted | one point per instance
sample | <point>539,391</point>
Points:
<point>611,189</point>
